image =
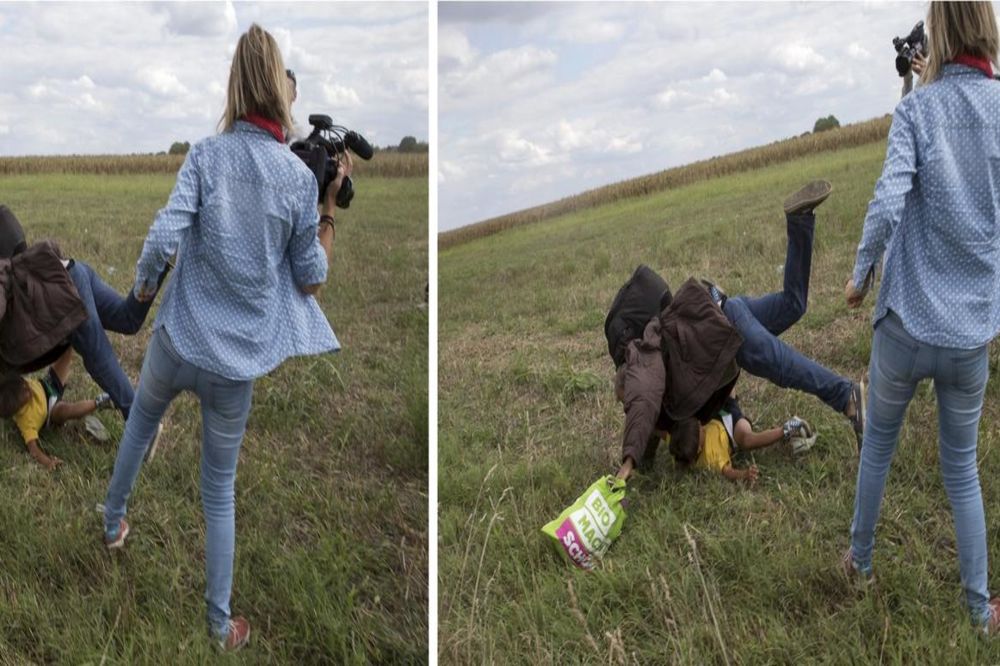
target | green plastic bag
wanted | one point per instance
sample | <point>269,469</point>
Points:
<point>585,530</point>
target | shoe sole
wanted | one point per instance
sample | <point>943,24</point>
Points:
<point>808,197</point>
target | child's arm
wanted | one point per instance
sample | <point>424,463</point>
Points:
<point>747,439</point>
<point>46,461</point>
<point>749,474</point>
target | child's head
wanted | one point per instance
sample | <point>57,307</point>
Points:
<point>14,392</point>
<point>686,441</point>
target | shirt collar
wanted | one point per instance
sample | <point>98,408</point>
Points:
<point>952,68</point>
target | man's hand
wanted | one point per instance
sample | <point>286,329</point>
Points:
<point>918,64</point>
<point>344,169</point>
<point>853,296</point>
<point>142,294</point>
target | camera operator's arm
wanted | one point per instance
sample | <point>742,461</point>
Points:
<point>916,67</point>
<point>310,249</point>
<point>165,234</point>
<point>886,209</point>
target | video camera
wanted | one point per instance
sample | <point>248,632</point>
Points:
<point>913,44</point>
<point>321,152</point>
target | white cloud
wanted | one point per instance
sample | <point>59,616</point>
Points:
<point>858,52</point>
<point>584,31</point>
<point>715,76</point>
<point>200,19</point>
<point>797,56</point>
<point>4,129</point>
<point>723,96</point>
<point>666,98</point>
<point>134,77</point>
<point>161,81</point>
<point>454,47</point>
<point>340,97</point>
<point>515,149</point>
<point>517,69</point>
<point>528,96</point>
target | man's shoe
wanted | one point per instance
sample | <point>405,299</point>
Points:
<point>858,397</point>
<point>238,636</point>
<point>103,401</point>
<point>806,199</point>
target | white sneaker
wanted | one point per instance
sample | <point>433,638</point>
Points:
<point>802,444</point>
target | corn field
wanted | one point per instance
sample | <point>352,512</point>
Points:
<point>384,164</point>
<point>746,160</point>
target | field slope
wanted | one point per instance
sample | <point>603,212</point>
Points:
<point>527,420</point>
<point>331,494</point>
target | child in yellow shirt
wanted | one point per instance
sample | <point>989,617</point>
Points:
<point>36,403</point>
<point>711,446</point>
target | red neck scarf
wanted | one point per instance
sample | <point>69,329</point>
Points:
<point>982,64</point>
<point>271,126</point>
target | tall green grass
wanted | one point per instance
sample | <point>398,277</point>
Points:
<point>524,429</point>
<point>331,496</point>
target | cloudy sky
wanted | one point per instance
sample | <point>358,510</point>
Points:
<point>538,101</point>
<point>134,77</point>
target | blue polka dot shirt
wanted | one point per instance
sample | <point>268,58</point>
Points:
<point>242,218</point>
<point>936,212</point>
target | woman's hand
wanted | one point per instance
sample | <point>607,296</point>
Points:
<point>853,296</point>
<point>918,64</point>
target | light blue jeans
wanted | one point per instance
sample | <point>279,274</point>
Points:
<point>225,406</point>
<point>898,363</point>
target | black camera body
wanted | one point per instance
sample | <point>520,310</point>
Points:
<point>322,150</point>
<point>913,44</point>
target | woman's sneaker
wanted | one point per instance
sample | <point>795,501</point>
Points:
<point>992,625</point>
<point>855,574</point>
<point>113,543</point>
<point>238,636</point>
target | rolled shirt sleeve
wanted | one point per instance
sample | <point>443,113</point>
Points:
<point>171,221</point>
<point>309,260</point>
<point>886,208</point>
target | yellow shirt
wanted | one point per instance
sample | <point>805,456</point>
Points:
<point>31,417</point>
<point>715,454</point>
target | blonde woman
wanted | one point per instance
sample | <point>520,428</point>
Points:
<point>252,251</point>
<point>937,213</point>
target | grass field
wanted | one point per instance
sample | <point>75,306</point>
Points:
<point>527,420</point>
<point>331,548</point>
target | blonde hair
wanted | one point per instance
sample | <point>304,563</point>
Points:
<point>957,28</point>
<point>257,81</point>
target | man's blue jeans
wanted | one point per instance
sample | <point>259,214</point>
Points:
<point>897,365</point>
<point>106,311</point>
<point>761,320</point>
<point>225,406</point>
